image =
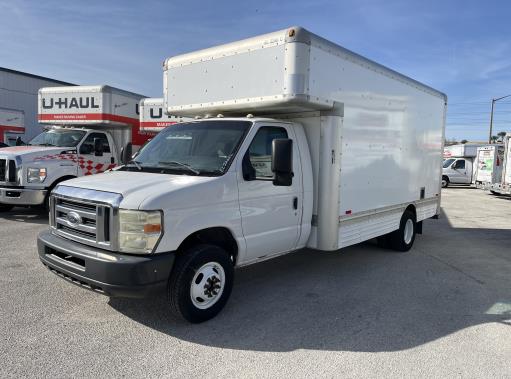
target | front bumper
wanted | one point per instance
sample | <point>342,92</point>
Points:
<point>112,274</point>
<point>22,196</point>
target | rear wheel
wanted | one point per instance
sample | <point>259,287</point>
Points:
<point>403,238</point>
<point>6,207</point>
<point>200,283</point>
<point>495,193</point>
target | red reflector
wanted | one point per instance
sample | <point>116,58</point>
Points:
<point>348,212</point>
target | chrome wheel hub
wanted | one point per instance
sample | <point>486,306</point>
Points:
<point>207,285</point>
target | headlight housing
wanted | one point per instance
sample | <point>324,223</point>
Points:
<point>139,231</point>
<point>36,174</point>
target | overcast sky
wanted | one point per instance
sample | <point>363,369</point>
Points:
<point>459,47</point>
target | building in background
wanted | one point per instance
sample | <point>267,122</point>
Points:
<point>18,104</point>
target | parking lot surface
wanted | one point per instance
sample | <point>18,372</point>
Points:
<point>440,310</point>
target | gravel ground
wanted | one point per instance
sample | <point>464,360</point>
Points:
<point>441,310</point>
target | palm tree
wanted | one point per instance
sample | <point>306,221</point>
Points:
<point>464,141</point>
<point>494,139</point>
<point>501,136</point>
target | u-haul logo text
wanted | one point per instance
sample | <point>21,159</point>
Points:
<point>87,102</point>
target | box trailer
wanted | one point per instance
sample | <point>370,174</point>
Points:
<point>503,187</point>
<point>490,162</point>
<point>12,125</point>
<point>153,119</point>
<point>460,164</point>
<point>301,143</point>
<point>88,129</point>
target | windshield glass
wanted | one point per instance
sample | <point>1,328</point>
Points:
<point>448,162</point>
<point>58,137</point>
<point>194,148</point>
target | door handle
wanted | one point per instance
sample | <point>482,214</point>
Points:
<point>295,202</point>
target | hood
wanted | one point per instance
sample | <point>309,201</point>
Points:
<point>35,152</point>
<point>143,190</point>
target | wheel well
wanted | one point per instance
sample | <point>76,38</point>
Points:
<point>412,209</point>
<point>219,236</point>
<point>445,177</point>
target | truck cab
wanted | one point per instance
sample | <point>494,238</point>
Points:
<point>457,171</point>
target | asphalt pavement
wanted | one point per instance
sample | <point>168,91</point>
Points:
<point>440,310</point>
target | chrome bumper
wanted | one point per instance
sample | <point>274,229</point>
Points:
<point>22,196</point>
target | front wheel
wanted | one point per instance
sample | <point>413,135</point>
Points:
<point>445,182</point>
<point>200,283</point>
<point>6,207</point>
<point>403,238</point>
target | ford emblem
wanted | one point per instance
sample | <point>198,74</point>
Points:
<point>74,218</point>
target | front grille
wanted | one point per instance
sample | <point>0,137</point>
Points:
<point>81,220</point>
<point>11,172</point>
<point>3,169</point>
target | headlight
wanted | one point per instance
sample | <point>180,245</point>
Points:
<point>36,175</point>
<point>139,231</point>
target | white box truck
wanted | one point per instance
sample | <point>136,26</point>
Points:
<point>490,162</point>
<point>503,186</point>
<point>336,150</point>
<point>460,164</point>
<point>89,128</point>
<point>12,125</point>
<point>153,118</point>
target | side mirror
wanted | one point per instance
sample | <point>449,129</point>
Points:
<point>282,162</point>
<point>126,153</point>
<point>19,141</point>
<point>98,147</point>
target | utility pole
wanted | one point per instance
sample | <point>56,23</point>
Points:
<point>493,101</point>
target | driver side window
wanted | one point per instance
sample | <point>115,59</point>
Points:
<point>88,144</point>
<point>258,158</point>
<point>460,165</point>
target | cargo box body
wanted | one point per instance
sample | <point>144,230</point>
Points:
<point>153,118</point>
<point>490,162</point>
<point>92,106</point>
<point>461,150</point>
<point>375,136</point>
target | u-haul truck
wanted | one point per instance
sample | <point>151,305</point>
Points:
<point>503,187</point>
<point>153,118</point>
<point>280,161</point>
<point>89,127</point>
<point>12,125</point>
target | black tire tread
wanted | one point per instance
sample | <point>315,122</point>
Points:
<point>178,279</point>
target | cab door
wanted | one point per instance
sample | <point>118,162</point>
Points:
<point>460,172</point>
<point>92,162</point>
<point>270,215</point>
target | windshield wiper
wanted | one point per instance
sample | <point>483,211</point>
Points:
<point>187,166</point>
<point>137,165</point>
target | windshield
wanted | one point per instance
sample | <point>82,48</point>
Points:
<point>194,148</point>
<point>58,137</point>
<point>448,162</point>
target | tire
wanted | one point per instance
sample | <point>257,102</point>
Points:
<point>6,207</point>
<point>194,302</point>
<point>495,193</point>
<point>445,182</point>
<point>403,238</point>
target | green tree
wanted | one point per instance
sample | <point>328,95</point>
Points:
<point>501,136</point>
<point>464,141</point>
<point>494,138</point>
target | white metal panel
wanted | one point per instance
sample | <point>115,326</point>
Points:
<point>490,163</point>
<point>506,176</point>
<point>461,150</point>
